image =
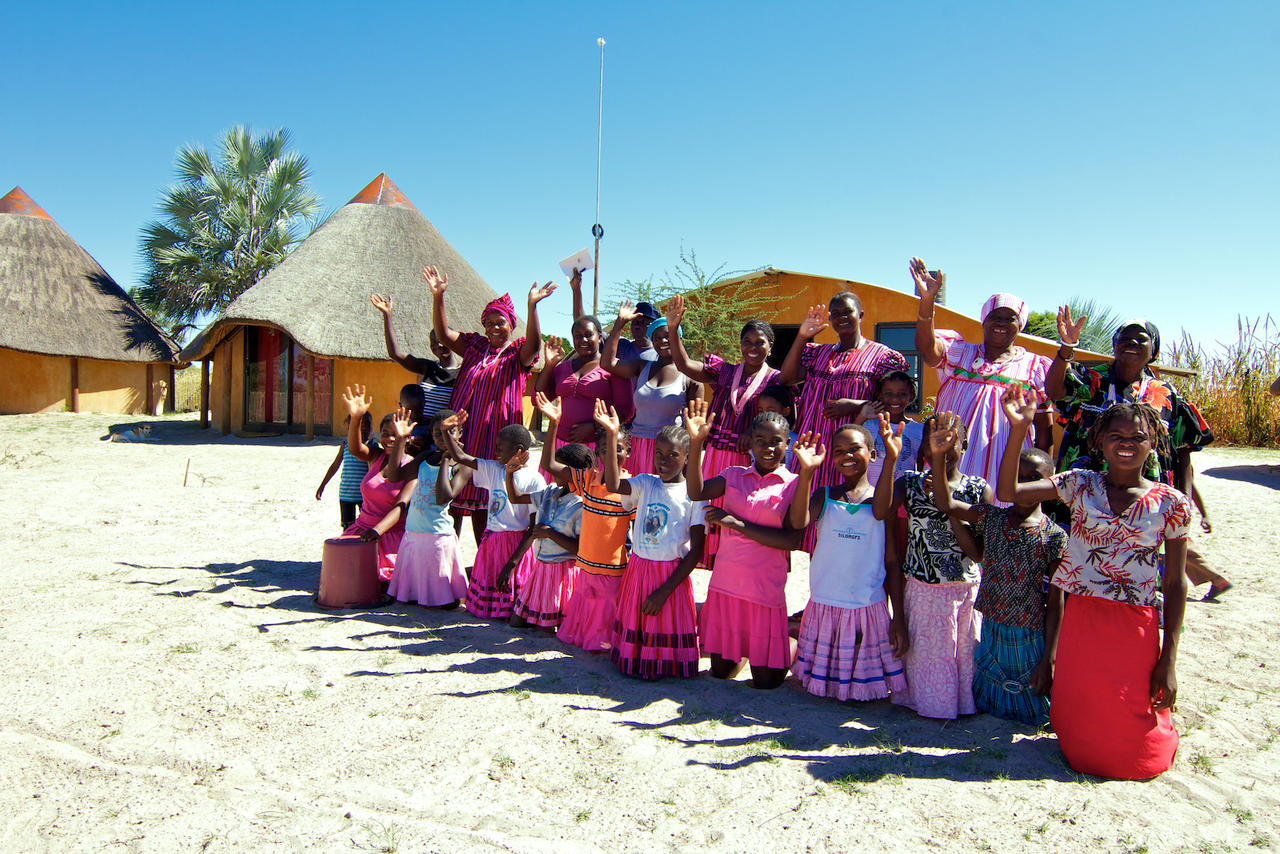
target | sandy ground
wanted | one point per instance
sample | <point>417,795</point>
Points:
<point>169,685</point>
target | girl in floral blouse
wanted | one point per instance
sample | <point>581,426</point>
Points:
<point>942,583</point>
<point>1113,682</point>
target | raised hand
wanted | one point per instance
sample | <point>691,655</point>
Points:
<point>697,420</point>
<point>675,311</point>
<point>537,292</point>
<point>892,439</point>
<point>356,400</point>
<point>809,452</point>
<point>815,320</point>
<point>928,282</point>
<point>942,437</point>
<point>548,407</point>
<point>627,311</point>
<point>518,460</point>
<point>436,280</point>
<point>403,423</point>
<point>382,302</point>
<point>455,421</point>
<point>554,351</point>
<point>1019,406</point>
<point>607,417</point>
<point>1068,332</point>
<point>575,281</point>
<point>870,412</point>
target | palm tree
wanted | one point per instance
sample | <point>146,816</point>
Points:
<point>224,224</point>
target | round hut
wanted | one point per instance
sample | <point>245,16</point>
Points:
<point>70,337</point>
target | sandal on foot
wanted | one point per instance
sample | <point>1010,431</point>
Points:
<point>1215,591</point>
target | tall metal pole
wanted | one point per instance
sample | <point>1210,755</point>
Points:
<point>597,231</point>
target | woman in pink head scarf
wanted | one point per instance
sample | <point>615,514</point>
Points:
<point>974,377</point>
<point>491,381</point>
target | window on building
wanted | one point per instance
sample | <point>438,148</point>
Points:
<point>275,387</point>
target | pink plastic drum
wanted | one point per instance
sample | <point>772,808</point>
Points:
<point>349,574</point>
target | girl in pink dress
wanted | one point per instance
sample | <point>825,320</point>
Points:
<point>838,378</point>
<point>492,378</point>
<point>579,381</point>
<point>975,376</point>
<point>383,502</point>
<point>735,390</point>
<point>745,615</point>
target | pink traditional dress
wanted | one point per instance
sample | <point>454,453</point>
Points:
<point>745,615</point>
<point>489,387</point>
<point>734,395</point>
<point>832,374</point>
<point>1109,641</point>
<point>971,387</point>
<point>578,396</point>
<point>378,496</point>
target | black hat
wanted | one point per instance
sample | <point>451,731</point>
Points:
<point>647,310</point>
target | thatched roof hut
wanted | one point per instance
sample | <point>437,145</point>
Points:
<point>59,309</point>
<point>318,300</point>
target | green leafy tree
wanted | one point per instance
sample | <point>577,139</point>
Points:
<point>1042,323</point>
<point>714,311</point>
<point>1098,329</point>
<point>224,224</point>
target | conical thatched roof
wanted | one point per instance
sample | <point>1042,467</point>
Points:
<point>57,301</point>
<point>319,295</point>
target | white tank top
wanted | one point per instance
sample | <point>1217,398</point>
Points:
<point>847,567</point>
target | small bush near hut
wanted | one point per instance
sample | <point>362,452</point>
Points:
<point>1232,385</point>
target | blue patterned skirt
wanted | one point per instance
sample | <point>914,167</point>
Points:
<point>1004,662</point>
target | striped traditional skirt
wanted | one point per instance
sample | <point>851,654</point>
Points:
<point>943,627</point>
<point>658,646</point>
<point>1004,662</point>
<point>1101,709</point>
<point>734,629</point>
<point>484,599</point>
<point>714,461</point>
<point>591,611</point>
<point>540,598</point>
<point>844,653</point>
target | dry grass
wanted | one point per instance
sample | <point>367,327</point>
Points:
<point>1231,387</point>
<point>186,388</point>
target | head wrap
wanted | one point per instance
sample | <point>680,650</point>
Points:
<point>656,325</point>
<point>1003,300</point>
<point>503,306</point>
<point>1145,324</point>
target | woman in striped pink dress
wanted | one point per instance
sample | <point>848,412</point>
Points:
<point>838,379</point>
<point>491,381</point>
<point>974,377</point>
<point>734,393</point>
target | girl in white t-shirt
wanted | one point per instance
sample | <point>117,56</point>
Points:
<point>507,523</point>
<point>849,646</point>
<point>656,633</point>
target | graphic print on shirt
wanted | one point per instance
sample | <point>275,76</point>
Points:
<point>497,501</point>
<point>655,522</point>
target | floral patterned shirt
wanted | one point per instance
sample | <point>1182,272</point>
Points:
<point>1016,562</point>
<point>1117,557</point>
<point>933,555</point>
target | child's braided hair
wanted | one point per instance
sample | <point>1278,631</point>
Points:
<point>1139,413</point>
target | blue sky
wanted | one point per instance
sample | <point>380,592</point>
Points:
<point>1124,151</point>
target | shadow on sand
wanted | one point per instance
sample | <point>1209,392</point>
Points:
<point>1262,474</point>
<point>892,743</point>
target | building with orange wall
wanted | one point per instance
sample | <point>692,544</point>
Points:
<point>71,339</point>
<point>279,356</point>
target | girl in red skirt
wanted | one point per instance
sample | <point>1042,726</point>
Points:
<point>656,632</point>
<point>1113,680</point>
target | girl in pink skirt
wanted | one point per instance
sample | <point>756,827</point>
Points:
<point>507,523</point>
<point>429,564</point>
<point>656,633</point>
<point>849,646</point>
<point>745,615</point>
<point>942,582</point>
<point>550,579</point>
<point>735,392</point>
<point>383,502</point>
<point>592,605</point>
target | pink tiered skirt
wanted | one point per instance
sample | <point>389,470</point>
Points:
<point>428,570</point>
<point>654,647</point>
<point>540,598</point>
<point>734,629</point>
<point>844,653</point>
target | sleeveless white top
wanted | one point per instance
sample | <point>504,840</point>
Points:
<point>847,567</point>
